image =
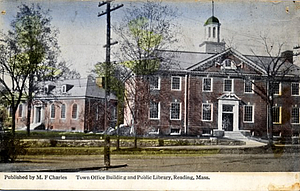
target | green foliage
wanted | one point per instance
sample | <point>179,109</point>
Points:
<point>147,39</point>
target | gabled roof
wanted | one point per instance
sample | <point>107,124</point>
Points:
<point>204,64</point>
<point>200,61</point>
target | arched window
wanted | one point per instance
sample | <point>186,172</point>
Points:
<point>63,111</point>
<point>52,111</point>
<point>74,111</point>
<point>21,110</point>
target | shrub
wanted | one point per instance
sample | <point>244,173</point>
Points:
<point>10,147</point>
<point>53,142</point>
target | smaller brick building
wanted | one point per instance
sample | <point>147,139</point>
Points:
<point>69,105</point>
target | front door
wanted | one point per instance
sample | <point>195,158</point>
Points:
<point>228,112</point>
<point>38,113</point>
<point>227,121</point>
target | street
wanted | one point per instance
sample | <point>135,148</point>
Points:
<point>285,162</point>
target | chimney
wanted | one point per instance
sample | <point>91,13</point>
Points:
<point>296,55</point>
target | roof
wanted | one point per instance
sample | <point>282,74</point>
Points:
<point>192,61</point>
<point>184,59</point>
<point>75,88</point>
<point>212,20</point>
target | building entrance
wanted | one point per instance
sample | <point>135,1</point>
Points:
<point>228,112</point>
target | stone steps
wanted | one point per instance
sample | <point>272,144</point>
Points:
<point>236,135</point>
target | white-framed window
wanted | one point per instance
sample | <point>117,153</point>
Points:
<point>228,85</point>
<point>276,113</point>
<point>63,111</point>
<point>20,110</point>
<point>295,89</point>
<point>74,111</point>
<point>175,111</point>
<point>207,111</point>
<point>276,87</point>
<point>154,110</point>
<point>176,83</point>
<point>214,32</point>
<point>295,117</point>
<point>209,32</point>
<point>248,113</point>
<point>64,89</point>
<point>154,82</point>
<point>249,86</point>
<point>52,111</point>
<point>207,84</point>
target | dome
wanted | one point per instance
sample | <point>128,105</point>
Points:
<point>212,20</point>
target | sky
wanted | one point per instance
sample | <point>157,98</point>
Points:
<point>83,34</point>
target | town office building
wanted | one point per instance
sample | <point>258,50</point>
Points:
<point>217,89</point>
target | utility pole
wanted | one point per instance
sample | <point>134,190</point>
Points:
<point>107,74</point>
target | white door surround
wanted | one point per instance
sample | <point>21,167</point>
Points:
<point>228,112</point>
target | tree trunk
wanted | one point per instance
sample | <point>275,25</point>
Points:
<point>29,104</point>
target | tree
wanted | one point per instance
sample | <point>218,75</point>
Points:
<point>28,56</point>
<point>277,67</point>
<point>144,31</point>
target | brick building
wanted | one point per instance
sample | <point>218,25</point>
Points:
<point>68,105</point>
<point>218,88</point>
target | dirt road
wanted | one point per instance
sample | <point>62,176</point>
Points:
<point>164,163</point>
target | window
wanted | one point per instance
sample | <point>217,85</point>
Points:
<point>207,84</point>
<point>209,32</point>
<point>295,115</point>
<point>276,115</point>
<point>64,89</point>
<point>63,111</point>
<point>52,111</point>
<point>46,89</point>
<point>74,111</point>
<point>10,112</point>
<point>295,89</point>
<point>228,85</point>
<point>207,111</point>
<point>249,86</point>
<point>276,87</point>
<point>21,110</point>
<point>97,113</point>
<point>154,110</point>
<point>154,82</point>
<point>113,113</point>
<point>176,83</point>
<point>175,110</point>
<point>248,113</point>
<point>214,32</point>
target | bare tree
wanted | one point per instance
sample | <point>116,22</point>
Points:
<point>277,67</point>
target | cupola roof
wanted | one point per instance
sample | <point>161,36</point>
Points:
<point>212,20</point>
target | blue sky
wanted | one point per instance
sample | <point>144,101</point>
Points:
<point>82,33</point>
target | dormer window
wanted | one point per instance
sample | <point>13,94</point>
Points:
<point>46,90</point>
<point>64,89</point>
